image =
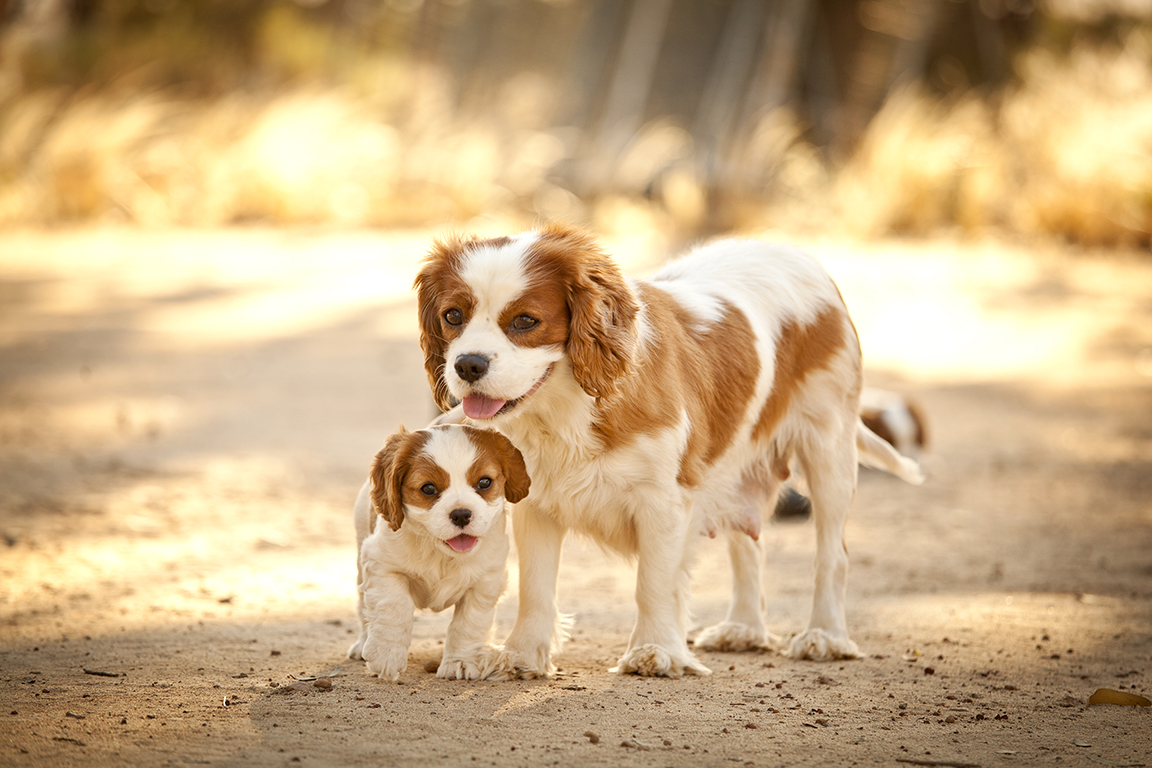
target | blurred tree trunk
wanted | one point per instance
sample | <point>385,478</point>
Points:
<point>628,90</point>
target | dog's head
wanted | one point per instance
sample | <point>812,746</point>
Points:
<point>499,317</point>
<point>450,481</point>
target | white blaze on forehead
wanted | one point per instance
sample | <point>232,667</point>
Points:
<point>453,452</point>
<point>497,274</point>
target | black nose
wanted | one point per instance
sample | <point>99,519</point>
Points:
<point>471,367</point>
<point>460,517</point>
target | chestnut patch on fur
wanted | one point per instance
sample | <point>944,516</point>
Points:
<point>501,461</point>
<point>390,471</point>
<point>709,372</point>
<point>723,367</point>
<point>800,349</point>
<point>600,306</point>
<point>544,302</point>
<point>423,469</point>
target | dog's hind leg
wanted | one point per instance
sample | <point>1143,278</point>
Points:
<point>829,465</point>
<point>743,629</point>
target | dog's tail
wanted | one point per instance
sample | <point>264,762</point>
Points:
<point>875,452</point>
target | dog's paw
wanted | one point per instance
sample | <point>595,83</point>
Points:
<point>472,668</point>
<point>385,660</point>
<point>357,650</point>
<point>820,645</point>
<point>499,666</point>
<point>734,636</point>
<point>654,661</point>
<point>512,664</point>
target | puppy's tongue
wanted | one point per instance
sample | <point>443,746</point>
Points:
<point>462,543</point>
<point>480,407</point>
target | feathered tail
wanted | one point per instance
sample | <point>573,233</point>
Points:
<point>875,452</point>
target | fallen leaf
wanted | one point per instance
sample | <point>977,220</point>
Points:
<point>312,678</point>
<point>1109,696</point>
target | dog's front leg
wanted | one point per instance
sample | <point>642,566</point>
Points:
<point>388,610</point>
<point>467,652</point>
<point>539,630</point>
<point>659,645</point>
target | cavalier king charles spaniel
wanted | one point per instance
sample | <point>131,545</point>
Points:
<point>441,492</point>
<point>652,411</point>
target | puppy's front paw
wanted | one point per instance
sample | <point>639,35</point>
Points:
<point>385,660</point>
<point>357,649</point>
<point>654,661</point>
<point>734,636</point>
<point>821,645</point>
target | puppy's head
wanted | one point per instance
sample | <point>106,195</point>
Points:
<point>449,482</point>
<point>498,316</point>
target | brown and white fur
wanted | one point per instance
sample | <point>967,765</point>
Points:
<point>649,412</point>
<point>442,493</point>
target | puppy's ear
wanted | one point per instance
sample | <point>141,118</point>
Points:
<point>516,480</point>
<point>388,471</point>
<point>440,262</point>
<point>603,308</point>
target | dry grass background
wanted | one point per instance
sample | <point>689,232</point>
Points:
<point>1065,150</point>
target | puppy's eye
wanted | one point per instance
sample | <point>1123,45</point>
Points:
<point>428,489</point>
<point>524,323</point>
<point>454,317</point>
<point>484,483</point>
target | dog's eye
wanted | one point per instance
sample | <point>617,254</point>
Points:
<point>484,483</point>
<point>454,317</point>
<point>428,489</point>
<point>524,323</point>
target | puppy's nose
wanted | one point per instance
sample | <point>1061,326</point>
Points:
<point>460,517</point>
<point>471,367</point>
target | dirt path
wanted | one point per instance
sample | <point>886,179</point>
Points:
<point>185,419</point>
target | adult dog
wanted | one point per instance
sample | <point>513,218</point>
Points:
<point>649,412</point>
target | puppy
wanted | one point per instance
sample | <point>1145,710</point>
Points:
<point>442,493</point>
<point>649,412</point>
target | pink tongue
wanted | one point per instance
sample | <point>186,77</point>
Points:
<point>480,407</point>
<point>462,543</point>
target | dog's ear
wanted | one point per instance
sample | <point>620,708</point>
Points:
<point>388,471</point>
<point>603,308</point>
<point>440,262</point>
<point>516,480</point>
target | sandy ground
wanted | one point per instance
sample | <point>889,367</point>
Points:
<point>185,418</point>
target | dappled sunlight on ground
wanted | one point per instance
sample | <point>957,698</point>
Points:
<point>185,419</point>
